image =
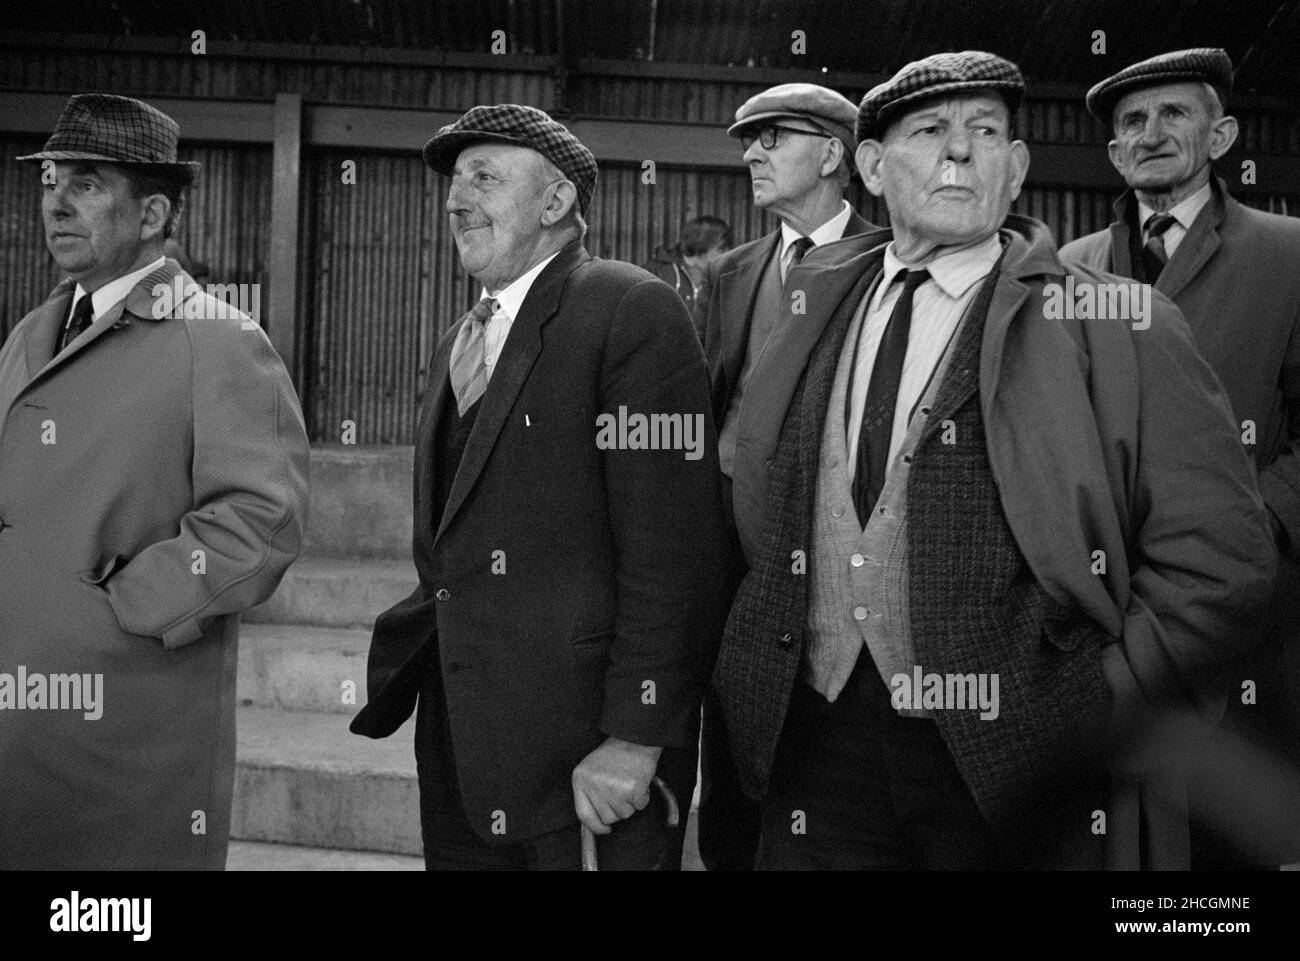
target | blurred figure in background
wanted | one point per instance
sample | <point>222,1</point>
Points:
<point>682,266</point>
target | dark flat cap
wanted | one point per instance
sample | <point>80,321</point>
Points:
<point>120,130</point>
<point>959,72</point>
<point>524,127</point>
<point>821,106</point>
<point>1209,64</point>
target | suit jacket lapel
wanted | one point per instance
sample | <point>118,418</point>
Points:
<point>738,289</point>
<point>520,352</point>
<point>1197,247</point>
<point>436,391</point>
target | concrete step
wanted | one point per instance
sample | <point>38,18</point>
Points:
<point>360,502</point>
<point>302,778</point>
<point>332,592</point>
<point>261,856</point>
<point>303,668</point>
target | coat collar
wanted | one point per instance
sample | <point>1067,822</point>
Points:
<point>522,347</point>
<point>1197,247</point>
<point>139,304</point>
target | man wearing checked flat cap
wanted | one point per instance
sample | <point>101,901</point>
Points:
<point>798,142</point>
<point>570,595</point>
<point>1232,271</point>
<point>153,485</point>
<point>1018,529</point>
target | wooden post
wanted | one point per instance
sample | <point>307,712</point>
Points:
<point>286,189</point>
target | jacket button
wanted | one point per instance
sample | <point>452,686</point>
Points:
<point>859,613</point>
<point>768,464</point>
<point>837,511</point>
<point>857,560</point>
<point>443,594</point>
<point>785,640</point>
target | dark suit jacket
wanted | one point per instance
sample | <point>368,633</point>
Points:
<point>727,298</point>
<point>611,557</point>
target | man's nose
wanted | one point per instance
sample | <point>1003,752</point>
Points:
<point>957,148</point>
<point>1153,131</point>
<point>754,153</point>
<point>55,201</point>
<point>457,203</point>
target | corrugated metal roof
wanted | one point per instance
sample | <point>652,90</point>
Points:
<point>1050,39</point>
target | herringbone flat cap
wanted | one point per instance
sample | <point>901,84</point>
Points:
<point>954,72</point>
<point>1209,64</point>
<point>120,130</point>
<point>524,126</point>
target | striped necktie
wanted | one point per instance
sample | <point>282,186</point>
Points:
<point>1154,257</point>
<point>469,372</point>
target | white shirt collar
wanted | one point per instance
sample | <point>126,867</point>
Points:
<point>1184,211</point>
<point>954,272</point>
<point>830,231</point>
<point>111,293</point>
<point>511,297</point>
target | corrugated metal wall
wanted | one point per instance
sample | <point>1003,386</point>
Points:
<point>380,279</point>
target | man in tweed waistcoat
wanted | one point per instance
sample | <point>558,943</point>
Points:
<point>963,575</point>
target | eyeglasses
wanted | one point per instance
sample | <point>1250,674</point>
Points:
<point>767,135</point>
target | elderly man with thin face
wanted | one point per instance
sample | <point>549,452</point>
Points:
<point>1232,272</point>
<point>963,577</point>
<point>570,594</point>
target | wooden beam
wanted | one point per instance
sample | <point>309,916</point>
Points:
<point>670,145</point>
<point>286,189</point>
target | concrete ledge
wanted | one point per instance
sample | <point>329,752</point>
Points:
<point>259,856</point>
<point>303,778</point>
<point>360,502</point>
<point>302,668</point>
<point>336,593</point>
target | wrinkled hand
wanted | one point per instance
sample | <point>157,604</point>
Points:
<point>613,782</point>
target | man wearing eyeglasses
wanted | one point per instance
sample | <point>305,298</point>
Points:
<point>798,143</point>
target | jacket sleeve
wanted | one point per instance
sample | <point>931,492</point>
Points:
<point>665,508</point>
<point>249,475</point>
<point>1279,482</point>
<point>1202,558</point>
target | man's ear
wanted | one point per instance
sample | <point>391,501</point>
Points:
<point>1112,149</point>
<point>1019,166</point>
<point>560,201</point>
<point>868,160</point>
<point>154,211</point>
<point>1223,134</point>
<point>831,160</point>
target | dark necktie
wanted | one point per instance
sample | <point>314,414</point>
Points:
<point>81,319</point>
<point>798,248</point>
<point>882,397</point>
<point>1154,257</point>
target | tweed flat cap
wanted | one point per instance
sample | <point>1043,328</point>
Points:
<point>965,71</point>
<point>523,126</point>
<point>1209,64</point>
<point>120,130</point>
<point>833,113</point>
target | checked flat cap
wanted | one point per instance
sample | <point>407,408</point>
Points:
<point>960,72</point>
<point>821,106</point>
<point>1209,64</point>
<point>525,127</point>
<point>120,130</point>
